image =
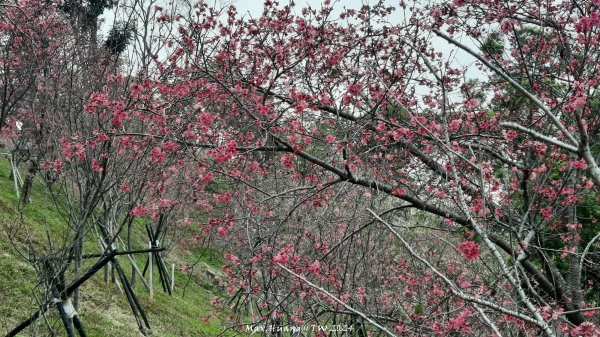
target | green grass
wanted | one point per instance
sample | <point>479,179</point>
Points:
<point>104,308</point>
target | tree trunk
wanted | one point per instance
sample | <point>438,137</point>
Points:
<point>27,184</point>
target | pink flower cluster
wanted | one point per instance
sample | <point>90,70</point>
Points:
<point>470,249</point>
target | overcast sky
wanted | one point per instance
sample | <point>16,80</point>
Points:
<point>254,7</point>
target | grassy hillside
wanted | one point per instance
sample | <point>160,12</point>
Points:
<point>104,308</point>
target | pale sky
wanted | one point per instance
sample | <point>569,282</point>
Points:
<point>254,7</point>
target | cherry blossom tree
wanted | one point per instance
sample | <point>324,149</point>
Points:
<point>355,171</point>
<point>505,162</point>
<point>95,181</point>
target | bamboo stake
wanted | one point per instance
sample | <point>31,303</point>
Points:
<point>166,280</point>
<point>70,289</point>
<point>19,177</point>
<point>12,164</point>
<point>150,274</point>
<point>65,319</point>
<point>79,326</point>
<point>115,281</point>
<point>135,267</point>
<point>172,278</point>
<point>138,251</point>
<point>106,273</point>
<point>133,277</point>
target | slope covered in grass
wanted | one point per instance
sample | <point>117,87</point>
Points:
<point>104,309</point>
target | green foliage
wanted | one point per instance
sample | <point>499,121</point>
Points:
<point>492,46</point>
<point>217,185</point>
<point>118,38</point>
<point>95,8</point>
<point>91,9</point>
<point>393,110</point>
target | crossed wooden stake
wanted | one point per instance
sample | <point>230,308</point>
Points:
<point>155,255</point>
<point>62,300</point>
